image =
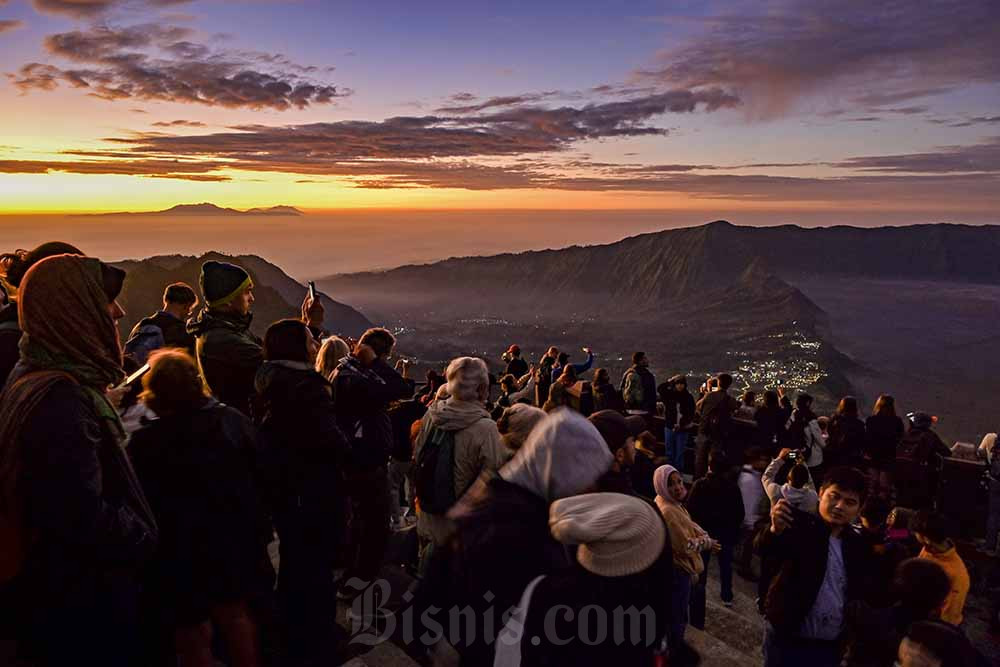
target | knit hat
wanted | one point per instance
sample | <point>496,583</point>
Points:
<point>514,349</point>
<point>678,379</point>
<point>221,282</point>
<point>618,535</point>
<point>466,375</point>
<point>612,427</point>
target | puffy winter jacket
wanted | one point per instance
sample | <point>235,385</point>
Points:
<point>228,355</point>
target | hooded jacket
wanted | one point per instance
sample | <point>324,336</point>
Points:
<point>228,356</point>
<point>805,499</point>
<point>478,450</point>
<point>156,331</point>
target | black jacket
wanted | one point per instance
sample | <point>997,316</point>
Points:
<point>846,442</point>
<point>771,426</point>
<point>606,397</point>
<point>716,504</point>
<point>93,528</point>
<point>361,398</point>
<point>10,336</point>
<point>517,367</point>
<point>798,559</point>
<point>196,469</point>
<point>229,356</point>
<point>678,404</point>
<point>303,451</point>
<point>883,434</point>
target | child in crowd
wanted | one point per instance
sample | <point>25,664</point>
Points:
<point>933,533</point>
<point>799,490</point>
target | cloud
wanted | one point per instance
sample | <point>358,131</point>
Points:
<point>772,54</point>
<point>968,122</point>
<point>159,62</point>
<point>179,123</point>
<point>85,9</point>
<point>8,25</point>
<point>507,101</point>
<point>982,157</point>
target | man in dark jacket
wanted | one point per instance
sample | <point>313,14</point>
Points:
<point>364,385</point>
<point>166,328</point>
<point>516,366</point>
<point>228,353</point>
<point>679,405</point>
<point>715,421</point>
<point>716,504</point>
<point>639,386</point>
<point>820,565</point>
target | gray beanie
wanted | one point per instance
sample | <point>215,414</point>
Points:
<point>618,535</point>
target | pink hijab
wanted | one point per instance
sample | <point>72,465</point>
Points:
<point>661,478</point>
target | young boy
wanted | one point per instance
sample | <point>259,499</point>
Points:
<point>932,532</point>
<point>799,490</point>
<point>819,565</point>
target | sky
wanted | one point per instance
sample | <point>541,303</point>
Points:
<point>825,111</point>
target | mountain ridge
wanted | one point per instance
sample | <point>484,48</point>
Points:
<point>207,208</point>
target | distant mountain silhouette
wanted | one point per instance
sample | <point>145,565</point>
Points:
<point>717,267</point>
<point>207,209</point>
<point>277,295</point>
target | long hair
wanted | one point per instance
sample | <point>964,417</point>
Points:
<point>885,406</point>
<point>330,353</point>
<point>848,406</point>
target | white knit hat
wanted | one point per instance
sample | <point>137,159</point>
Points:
<point>618,535</point>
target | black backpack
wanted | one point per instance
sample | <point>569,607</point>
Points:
<point>718,423</point>
<point>435,472</point>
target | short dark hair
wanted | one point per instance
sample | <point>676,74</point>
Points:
<point>601,375</point>
<point>921,585</point>
<point>749,397</point>
<point>378,339</point>
<point>849,479</point>
<point>563,358</point>
<point>508,381</point>
<point>637,357</point>
<point>876,510</point>
<point>798,476</point>
<point>934,525</point>
<point>286,340</point>
<point>717,461</point>
<point>803,401</point>
<point>179,293</point>
<point>725,381</point>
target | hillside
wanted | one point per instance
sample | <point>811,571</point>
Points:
<point>277,295</point>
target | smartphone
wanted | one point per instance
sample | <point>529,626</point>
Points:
<point>312,290</point>
<point>135,376</point>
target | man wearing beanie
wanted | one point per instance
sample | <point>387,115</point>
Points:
<point>228,353</point>
<point>623,561</point>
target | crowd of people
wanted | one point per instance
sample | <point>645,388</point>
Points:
<point>137,517</point>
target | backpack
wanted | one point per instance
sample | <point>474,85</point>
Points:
<point>995,463</point>
<point>435,474</point>
<point>795,436</point>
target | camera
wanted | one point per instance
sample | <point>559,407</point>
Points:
<point>792,456</point>
<point>506,356</point>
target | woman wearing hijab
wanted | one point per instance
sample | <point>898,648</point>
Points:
<point>76,526</point>
<point>502,539</point>
<point>687,539</point>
